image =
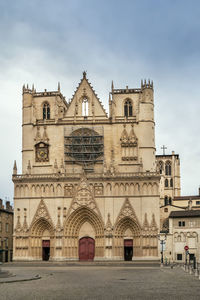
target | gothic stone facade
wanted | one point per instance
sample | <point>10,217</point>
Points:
<point>89,187</point>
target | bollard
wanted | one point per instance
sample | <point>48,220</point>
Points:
<point>191,270</point>
<point>196,273</point>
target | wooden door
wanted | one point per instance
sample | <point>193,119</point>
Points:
<point>86,249</point>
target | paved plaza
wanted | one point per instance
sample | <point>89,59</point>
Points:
<point>99,281</point>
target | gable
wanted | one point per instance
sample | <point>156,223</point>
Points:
<point>85,93</point>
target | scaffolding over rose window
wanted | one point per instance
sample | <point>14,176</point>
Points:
<point>84,146</point>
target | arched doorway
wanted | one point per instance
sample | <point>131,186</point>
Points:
<point>128,249</point>
<point>42,234</point>
<point>127,239</point>
<point>83,222</point>
<point>86,249</point>
<point>45,249</point>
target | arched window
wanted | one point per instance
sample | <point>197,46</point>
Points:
<point>166,182</point>
<point>170,201</point>
<point>128,109</point>
<point>46,111</point>
<point>171,182</point>
<point>160,165</point>
<point>85,107</point>
<point>168,169</point>
<point>166,200</point>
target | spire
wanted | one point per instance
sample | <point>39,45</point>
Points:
<point>108,225</point>
<point>58,86</point>
<point>45,136</point>
<point>124,136</point>
<point>15,168</point>
<point>25,225</point>
<point>132,136</point>
<point>33,88</point>
<point>29,167</point>
<point>62,166</point>
<point>109,98</point>
<point>112,86</point>
<point>84,74</point>
<point>38,136</point>
<point>55,165</point>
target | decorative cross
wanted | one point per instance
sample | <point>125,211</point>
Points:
<point>163,148</point>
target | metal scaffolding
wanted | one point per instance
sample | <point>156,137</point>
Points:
<point>84,146</point>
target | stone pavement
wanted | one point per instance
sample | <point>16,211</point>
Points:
<point>99,281</point>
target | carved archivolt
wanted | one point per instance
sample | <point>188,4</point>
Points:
<point>41,221</point>
<point>127,219</point>
<point>78,218</point>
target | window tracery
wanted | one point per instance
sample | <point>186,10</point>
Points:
<point>168,169</point>
<point>128,108</point>
<point>46,111</point>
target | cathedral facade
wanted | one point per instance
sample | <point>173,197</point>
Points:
<point>89,188</point>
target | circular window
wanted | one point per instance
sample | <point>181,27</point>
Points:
<point>84,146</point>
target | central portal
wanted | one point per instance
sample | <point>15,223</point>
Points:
<point>128,249</point>
<point>86,249</point>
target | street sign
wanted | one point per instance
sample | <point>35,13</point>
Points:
<point>186,248</point>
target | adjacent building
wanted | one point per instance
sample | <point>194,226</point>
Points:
<point>170,185</point>
<point>6,232</point>
<point>184,230</point>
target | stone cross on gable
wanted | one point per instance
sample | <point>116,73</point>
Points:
<point>163,148</point>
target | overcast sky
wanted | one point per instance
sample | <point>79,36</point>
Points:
<point>43,42</point>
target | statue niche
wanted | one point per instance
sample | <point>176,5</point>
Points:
<point>129,145</point>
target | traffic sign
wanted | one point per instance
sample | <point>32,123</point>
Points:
<point>186,248</point>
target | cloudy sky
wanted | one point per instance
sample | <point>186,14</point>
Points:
<point>46,41</point>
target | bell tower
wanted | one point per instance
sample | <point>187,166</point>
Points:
<point>147,126</point>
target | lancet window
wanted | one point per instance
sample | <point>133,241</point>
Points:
<point>46,111</point>
<point>171,182</point>
<point>128,109</point>
<point>168,168</point>
<point>160,165</point>
<point>85,107</point>
<point>166,182</point>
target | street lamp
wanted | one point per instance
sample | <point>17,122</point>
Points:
<point>162,238</point>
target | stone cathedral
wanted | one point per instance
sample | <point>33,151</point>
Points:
<point>89,188</point>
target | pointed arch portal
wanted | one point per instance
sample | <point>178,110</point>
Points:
<point>84,248</point>
<point>127,238</point>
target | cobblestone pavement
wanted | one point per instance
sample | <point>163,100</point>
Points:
<point>94,281</point>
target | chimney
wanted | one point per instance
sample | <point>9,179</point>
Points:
<point>7,205</point>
